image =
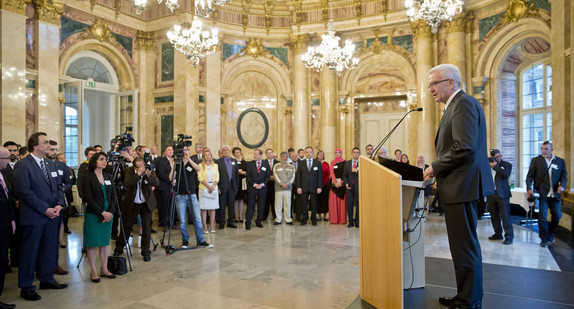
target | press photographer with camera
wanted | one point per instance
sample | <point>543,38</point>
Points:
<point>165,167</point>
<point>138,200</point>
<point>499,204</point>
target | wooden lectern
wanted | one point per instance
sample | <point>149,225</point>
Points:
<point>387,230</point>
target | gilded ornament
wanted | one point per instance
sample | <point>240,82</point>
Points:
<point>421,29</point>
<point>457,24</point>
<point>254,49</point>
<point>325,12</point>
<point>299,42</point>
<point>358,11</point>
<point>49,11</point>
<point>118,7</point>
<point>99,31</point>
<point>297,4</point>
<point>145,40</point>
<point>518,9</point>
<point>92,4</point>
<point>384,9</point>
<point>14,6</point>
<point>469,22</point>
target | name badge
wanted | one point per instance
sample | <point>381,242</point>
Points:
<point>264,169</point>
<point>238,162</point>
<point>107,182</point>
<point>554,166</point>
<point>280,169</point>
<point>71,177</point>
<point>129,164</point>
<point>189,169</point>
<point>61,173</point>
<point>54,174</point>
<point>145,182</point>
<point>315,168</point>
<point>336,166</point>
<point>232,163</point>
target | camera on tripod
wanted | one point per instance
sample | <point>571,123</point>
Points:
<point>181,142</point>
<point>120,143</point>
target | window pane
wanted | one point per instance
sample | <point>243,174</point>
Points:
<point>532,138</point>
<point>70,145</point>
<point>549,126</point>
<point>549,85</point>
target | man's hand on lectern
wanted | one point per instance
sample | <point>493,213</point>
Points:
<point>429,173</point>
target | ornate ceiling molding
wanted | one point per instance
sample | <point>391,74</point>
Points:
<point>299,42</point>
<point>49,11</point>
<point>145,40</point>
<point>14,6</point>
<point>255,49</point>
<point>421,30</point>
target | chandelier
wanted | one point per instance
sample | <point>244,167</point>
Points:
<point>330,54</point>
<point>433,11</point>
<point>202,7</point>
<point>194,43</point>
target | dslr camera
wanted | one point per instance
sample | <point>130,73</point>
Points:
<point>120,143</point>
<point>181,142</point>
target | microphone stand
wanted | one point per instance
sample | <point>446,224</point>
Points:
<point>374,153</point>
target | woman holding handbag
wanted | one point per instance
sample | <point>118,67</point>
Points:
<point>208,177</point>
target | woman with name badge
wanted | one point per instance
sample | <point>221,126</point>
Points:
<point>208,177</point>
<point>337,197</point>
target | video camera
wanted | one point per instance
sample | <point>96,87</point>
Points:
<point>120,143</point>
<point>148,164</point>
<point>181,142</point>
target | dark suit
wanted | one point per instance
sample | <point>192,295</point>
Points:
<point>82,171</point>
<point>352,179</point>
<point>270,199</point>
<point>39,249</point>
<point>296,198</point>
<point>6,217</point>
<point>499,203</point>
<point>228,188</point>
<point>16,239</point>
<point>256,195</point>
<point>463,176</point>
<point>309,180</point>
<point>130,210</point>
<point>538,177</point>
<point>162,169</point>
<point>95,197</point>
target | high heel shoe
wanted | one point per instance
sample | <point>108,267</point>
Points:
<point>97,280</point>
<point>112,276</point>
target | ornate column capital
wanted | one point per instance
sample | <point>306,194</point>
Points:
<point>14,6</point>
<point>469,23</point>
<point>146,40</point>
<point>49,11</point>
<point>421,30</point>
<point>298,42</point>
<point>457,24</point>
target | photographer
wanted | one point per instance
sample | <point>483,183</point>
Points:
<point>499,204</point>
<point>139,200</point>
<point>120,160</point>
<point>185,196</point>
<point>164,170</point>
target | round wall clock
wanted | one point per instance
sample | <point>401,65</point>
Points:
<point>252,128</point>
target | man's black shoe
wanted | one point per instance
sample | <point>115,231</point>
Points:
<point>247,227</point>
<point>357,224</point>
<point>303,223</point>
<point>221,227</point>
<point>507,241</point>
<point>314,223</point>
<point>276,223</point>
<point>495,237</point>
<point>233,226</point>
<point>67,231</point>
<point>147,258</point>
<point>259,225</point>
<point>290,223</point>
<point>152,231</point>
<point>52,285</point>
<point>30,295</point>
<point>351,224</point>
<point>447,301</point>
<point>6,306</point>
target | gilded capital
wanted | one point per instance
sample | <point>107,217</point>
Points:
<point>14,6</point>
<point>299,42</point>
<point>469,22</point>
<point>456,24</point>
<point>145,40</point>
<point>49,11</point>
<point>421,29</point>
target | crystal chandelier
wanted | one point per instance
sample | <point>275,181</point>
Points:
<point>194,43</point>
<point>202,7</point>
<point>330,54</point>
<point>433,11</point>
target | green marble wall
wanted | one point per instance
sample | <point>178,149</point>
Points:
<point>487,24</point>
<point>166,62</point>
<point>163,99</point>
<point>166,130</point>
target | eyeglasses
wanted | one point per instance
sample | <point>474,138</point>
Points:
<point>7,158</point>
<point>437,82</point>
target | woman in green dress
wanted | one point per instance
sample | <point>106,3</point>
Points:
<point>100,196</point>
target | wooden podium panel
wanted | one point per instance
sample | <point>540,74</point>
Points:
<point>381,235</point>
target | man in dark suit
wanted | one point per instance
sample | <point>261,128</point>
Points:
<point>309,183</point>
<point>547,175</point>
<point>69,194</point>
<point>7,220</point>
<point>164,171</point>
<point>83,170</point>
<point>258,172</point>
<point>16,238</point>
<point>197,157</point>
<point>13,149</point>
<point>296,198</point>
<point>36,186</point>
<point>351,181</point>
<point>463,177</point>
<point>228,184</point>
<point>498,204</point>
<point>139,200</point>
<point>270,199</point>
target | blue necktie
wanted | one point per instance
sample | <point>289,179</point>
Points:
<point>44,170</point>
<point>309,164</point>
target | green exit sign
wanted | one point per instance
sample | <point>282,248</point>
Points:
<point>91,84</point>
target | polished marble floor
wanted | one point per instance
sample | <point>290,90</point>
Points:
<point>274,267</point>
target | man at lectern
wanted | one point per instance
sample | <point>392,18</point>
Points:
<point>463,176</point>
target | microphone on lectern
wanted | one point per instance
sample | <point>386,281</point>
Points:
<point>420,109</point>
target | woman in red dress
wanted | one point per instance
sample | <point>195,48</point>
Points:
<point>337,200</point>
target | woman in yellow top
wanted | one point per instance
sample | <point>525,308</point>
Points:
<point>208,177</point>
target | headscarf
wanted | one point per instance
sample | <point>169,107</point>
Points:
<point>335,161</point>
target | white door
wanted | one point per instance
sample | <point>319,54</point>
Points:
<point>374,127</point>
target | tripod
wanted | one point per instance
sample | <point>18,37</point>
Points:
<point>170,249</point>
<point>119,211</point>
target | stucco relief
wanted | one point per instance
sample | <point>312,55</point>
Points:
<point>381,77</point>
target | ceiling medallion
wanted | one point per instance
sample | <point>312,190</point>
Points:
<point>99,30</point>
<point>434,12</point>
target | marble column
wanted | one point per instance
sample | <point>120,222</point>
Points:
<point>13,64</point>
<point>426,120</point>
<point>456,46</point>
<point>48,55</point>
<point>185,97</point>
<point>301,101</point>
<point>328,113</point>
<point>213,100</point>
<point>146,47</point>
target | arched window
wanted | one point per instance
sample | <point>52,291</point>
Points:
<point>535,112</point>
<point>88,68</point>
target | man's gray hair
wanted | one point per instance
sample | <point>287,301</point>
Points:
<point>225,146</point>
<point>449,71</point>
<point>283,153</point>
